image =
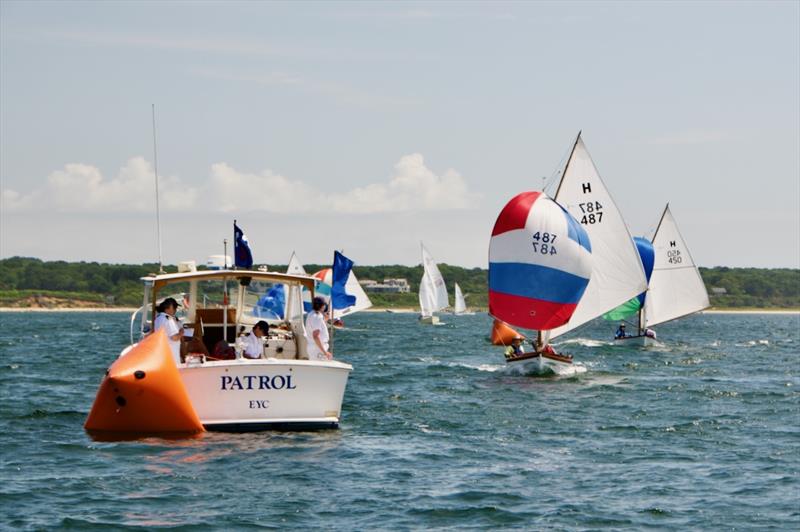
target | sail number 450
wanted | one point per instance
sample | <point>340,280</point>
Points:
<point>592,212</point>
<point>543,243</point>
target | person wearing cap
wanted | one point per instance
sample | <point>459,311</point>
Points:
<point>620,332</point>
<point>254,345</point>
<point>515,349</point>
<point>165,319</point>
<point>317,331</point>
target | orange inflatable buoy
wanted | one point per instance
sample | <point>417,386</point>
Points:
<point>143,392</point>
<point>502,334</point>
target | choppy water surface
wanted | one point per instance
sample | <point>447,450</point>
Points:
<point>702,432</point>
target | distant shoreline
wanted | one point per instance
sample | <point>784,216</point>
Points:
<point>389,310</point>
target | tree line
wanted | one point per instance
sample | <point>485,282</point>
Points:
<point>120,284</point>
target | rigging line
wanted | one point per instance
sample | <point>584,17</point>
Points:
<point>558,170</point>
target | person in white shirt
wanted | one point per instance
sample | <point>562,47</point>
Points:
<point>317,331</point>
<point>254,345</point>
<point>165,319</point>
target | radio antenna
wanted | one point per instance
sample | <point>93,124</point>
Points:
<point>158,211</point>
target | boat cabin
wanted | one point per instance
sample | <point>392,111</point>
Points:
<point>219,306</point>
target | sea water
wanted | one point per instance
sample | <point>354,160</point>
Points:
<point>700,432</point>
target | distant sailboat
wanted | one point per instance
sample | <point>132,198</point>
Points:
<point>432,290</point>
<point>460,305</point>
<point>540,263</point>
<point>676,287</point>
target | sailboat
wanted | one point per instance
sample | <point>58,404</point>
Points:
<point>460,305</point>
<point>432,290</point>
<point>643,336</point>
<point>617,271</point>
<point>676,288</point>
<point>540,263</point>
<point>324,279</point>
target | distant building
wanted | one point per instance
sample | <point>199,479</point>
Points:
<point>394,286</point>
<point>718,291</point>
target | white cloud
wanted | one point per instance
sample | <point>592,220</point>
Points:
<point>82,188</point>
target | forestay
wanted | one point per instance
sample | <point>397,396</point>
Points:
<point>617,273</point>
<point>432,290</point>
<point>676,288</point>
<point>539,263</point>
<point>460,305</point>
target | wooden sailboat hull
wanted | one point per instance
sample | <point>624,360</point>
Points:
<point>536,363</point>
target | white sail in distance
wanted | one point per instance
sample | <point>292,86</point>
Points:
<point>296,297</point>
<point>676,288</point>
<point>432,290</point>
<point>617,271</point>
<point>295,267</point>
<point>460,306</point>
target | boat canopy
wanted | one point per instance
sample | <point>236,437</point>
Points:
<point>160,281</point>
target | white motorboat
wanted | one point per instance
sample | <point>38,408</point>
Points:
<point>280,389</point>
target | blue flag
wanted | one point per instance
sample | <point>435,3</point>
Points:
<point>243,257</point>
<point>341,271</point>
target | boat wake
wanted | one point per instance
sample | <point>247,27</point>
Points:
<point>585,342</point>
<point>532,370</point>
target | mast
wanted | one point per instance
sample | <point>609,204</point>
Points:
<point>564,172</point>
<point>158,213</point>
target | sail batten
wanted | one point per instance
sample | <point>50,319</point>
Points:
<point>617,271</point>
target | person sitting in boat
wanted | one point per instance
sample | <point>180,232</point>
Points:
<point>165,319</point>
<point>317,331</point>
<point>515,349</point>
<point>621,332</point>
<point>254,343</point>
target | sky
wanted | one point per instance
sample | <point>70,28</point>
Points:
<point>369,127</point>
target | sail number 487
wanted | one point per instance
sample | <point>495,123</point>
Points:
<point>543,243</point>
<point>592,212</point>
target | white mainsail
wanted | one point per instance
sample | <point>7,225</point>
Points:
<point>617,272</point>
<point>353,288</point>
<point>460,306</point>
<point>676,288</point>
<point>432,290</point>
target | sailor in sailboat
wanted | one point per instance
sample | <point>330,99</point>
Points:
<point>621,333</point>
<point>539,267</point>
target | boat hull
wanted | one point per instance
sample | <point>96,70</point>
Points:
<point>429,320</point>
<point>250,395</point>
<point>638,340</point>
<point>544,364</point>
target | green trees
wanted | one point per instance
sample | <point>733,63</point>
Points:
<point>22,277</point>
